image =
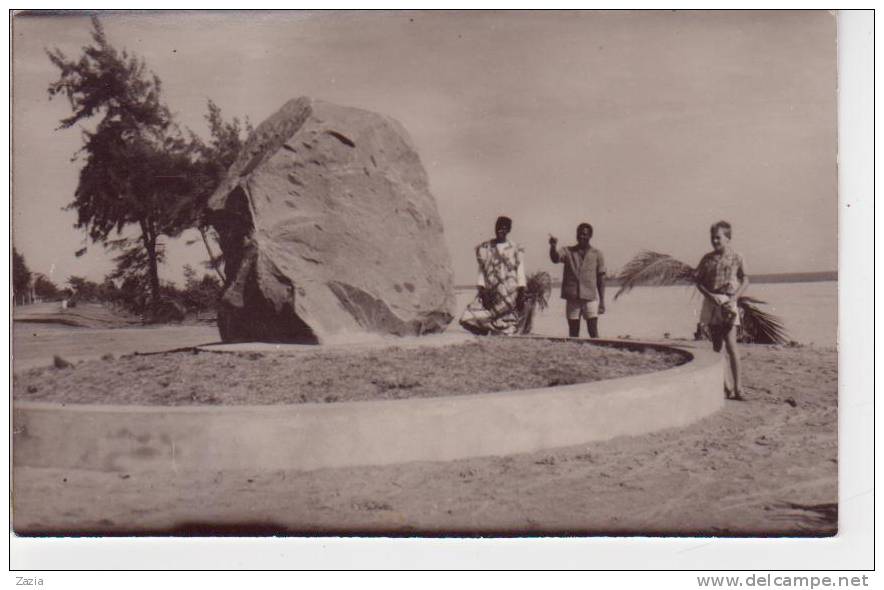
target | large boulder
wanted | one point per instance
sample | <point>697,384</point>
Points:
<point>329,231</point>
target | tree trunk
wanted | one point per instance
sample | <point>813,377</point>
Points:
<point>216,264</point>
<point>149,239</point>
<point>153,272</point>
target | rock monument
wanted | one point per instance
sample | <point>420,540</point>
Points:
<point>329,231</point>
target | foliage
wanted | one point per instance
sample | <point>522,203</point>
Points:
<point>23,280</point>
<point>655,269</point>
<point>45,289</point>
<point>228,139</point>
<point>85,290</point>
<point>759,326</point>
<point>168,310</point>
<point>136,159</point>
<point>200,294</point>
<point>213,159</point>
<point>538,289</point>
<point>21,275</point>
<point>140,170</point>
<point>133,261</point>
<point>131,294</point>
<point>197,296</point>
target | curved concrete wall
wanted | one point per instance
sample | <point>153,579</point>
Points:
<point>311,436</point>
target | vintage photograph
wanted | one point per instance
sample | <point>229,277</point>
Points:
<point>424,273</point>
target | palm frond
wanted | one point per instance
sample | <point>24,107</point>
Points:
<point>759,326</point>
<point>752,300</point>
<point>538,289</point>
<point>653,269</point>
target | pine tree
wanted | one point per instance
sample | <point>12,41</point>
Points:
<point>136,160</point>
<point>21,277</point>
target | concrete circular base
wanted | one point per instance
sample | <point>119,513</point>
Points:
<point>313,436</point>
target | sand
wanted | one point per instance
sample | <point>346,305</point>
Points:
<point>766,466</point>
<point>211,378</point>
<point>35,345</point>
<point>83,315</point>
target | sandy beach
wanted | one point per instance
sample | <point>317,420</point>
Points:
<point>766,466</point>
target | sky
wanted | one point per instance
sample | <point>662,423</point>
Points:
<point>648,125</point>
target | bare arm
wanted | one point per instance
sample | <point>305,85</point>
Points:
<point>744,284</point>
<point>521,279</point>
<point>553,250</point>
<point>600,281</point>
<point>700,287</point>
<point>706,293</point>
<point>480,276</point>
<point>600,273</point>
<point>744,281</point>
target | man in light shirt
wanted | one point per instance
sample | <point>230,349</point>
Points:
<point>583,281</point>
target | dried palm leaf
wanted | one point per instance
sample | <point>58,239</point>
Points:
<point>538,289</point>
<point>759,326</point>
<point>653,269</point>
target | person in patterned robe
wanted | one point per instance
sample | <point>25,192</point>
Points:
<point>499,306</point>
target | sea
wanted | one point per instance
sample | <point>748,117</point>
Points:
<point>809,311</point>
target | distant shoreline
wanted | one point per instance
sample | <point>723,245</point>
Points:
<point>781,277</point>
